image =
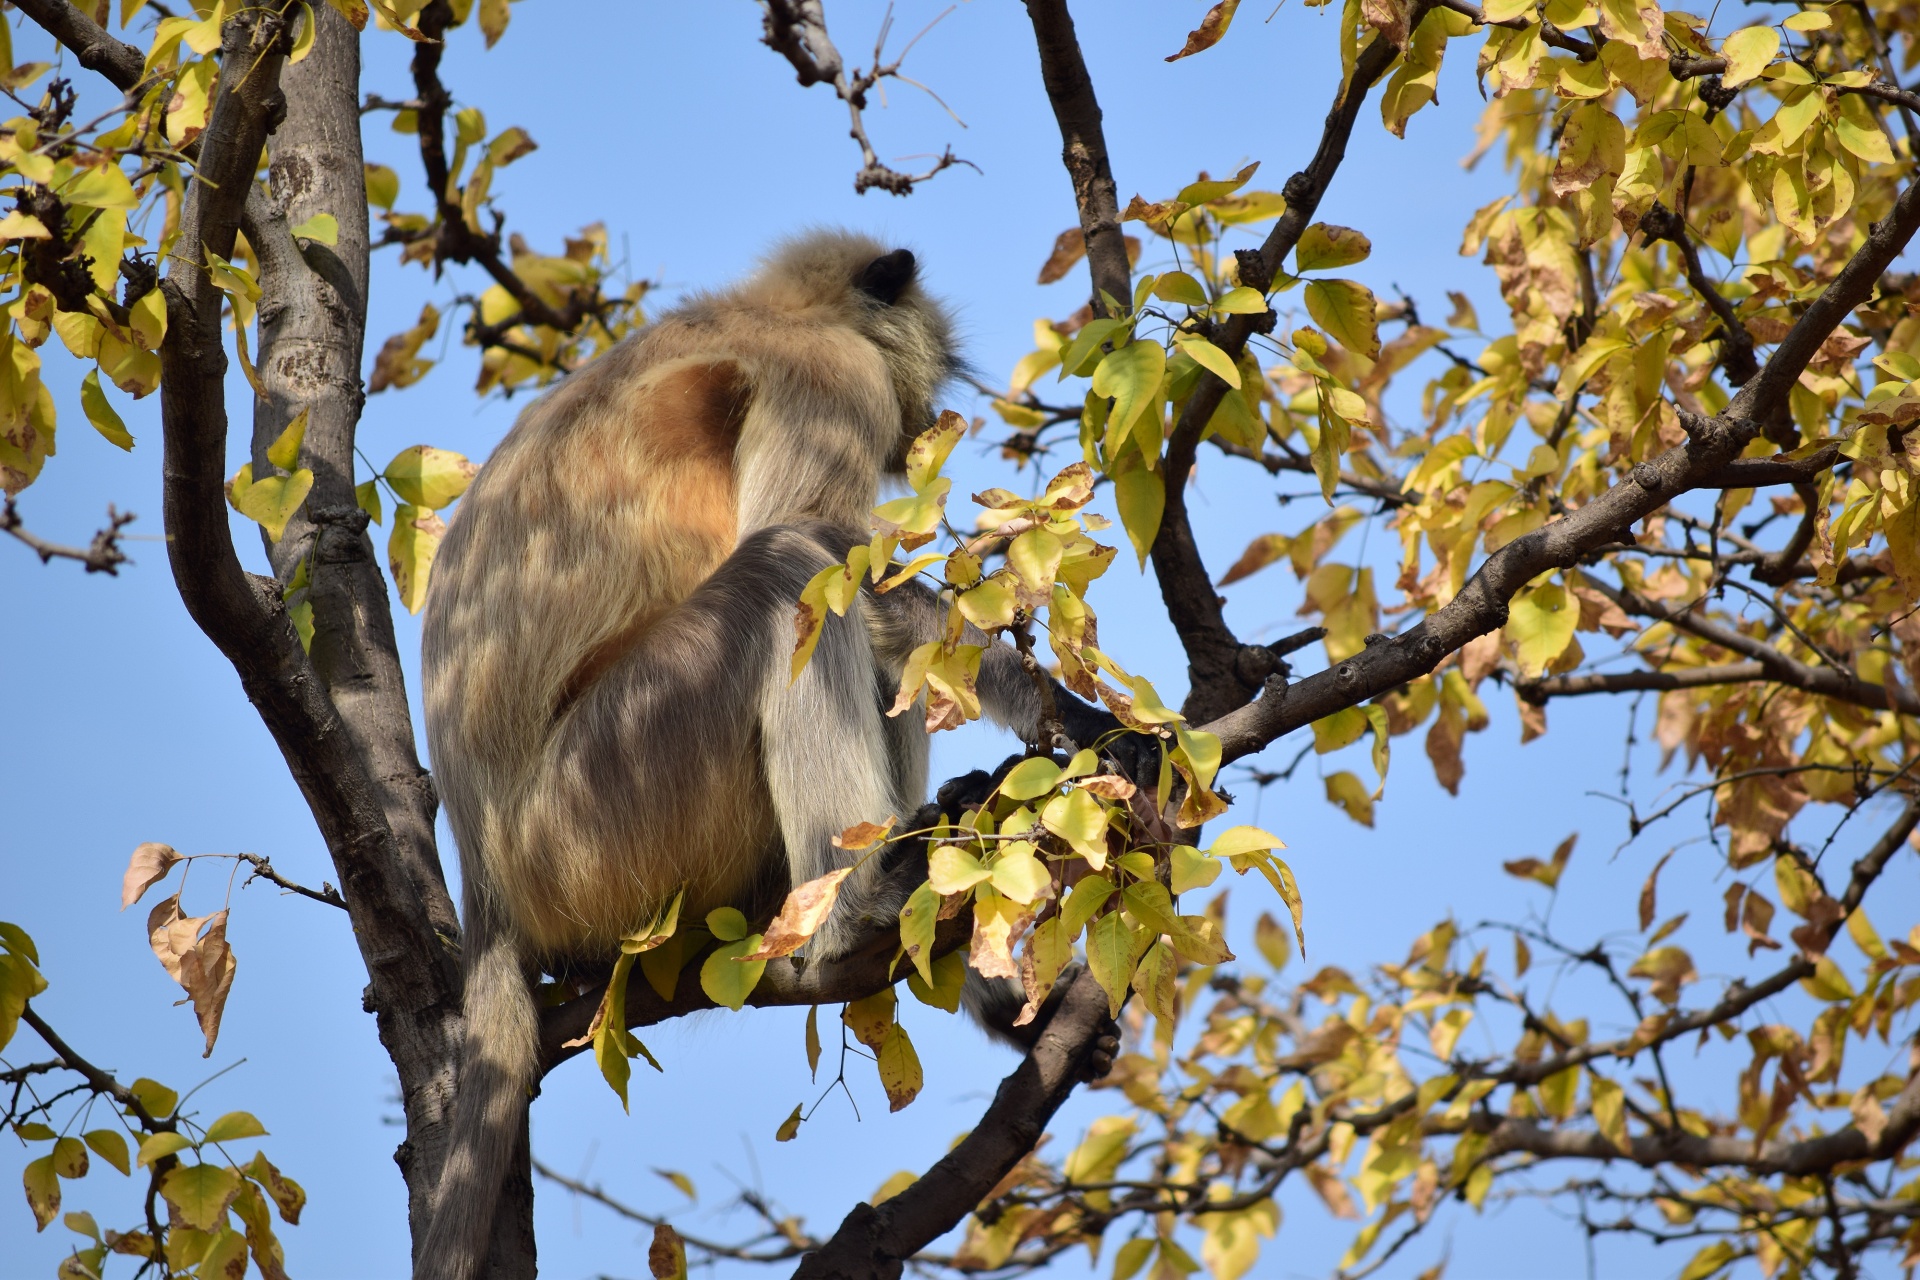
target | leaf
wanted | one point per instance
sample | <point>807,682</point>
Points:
<point>200,1193</point>
<point>1130,376</point>
<point>1141,496</point>
<point>727,924</point>
<point>1346,790</point>
<point>69,1158</point>
<point>100,413</point>
<point>900,1073</point>
<point>286,1194</point>
<point>110,1146</point>
<point>1110,958</point>
<point>234,1125</point>
<point>1324,246</point>
<point>148,866</point>
<point>801,915</point>
<point>1748,51</point>
<point>161,1145</point>
<point>1647,901</point>
<point>919,919</point>
<point>1540,625</point>
<point>729,983</point>
<point>1710,1260</point>
<point>667,1255</point>
<point>272,502</point>
<point>411,549</point>
<point>1208,33</point>
<point>43,1191</point>
<point>321,227</point>
<point>1345,309</point>
<point>944,988</point>
<point>1030,779</point>
<point>1021,876</point>
<point>1190,869</point>
<point>790,1127</point>
<point>493,25</point>
<point>1210,358</point>
<point>1178,286</point>
<point>424,476</point>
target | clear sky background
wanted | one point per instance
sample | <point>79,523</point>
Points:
<point>672,124</point>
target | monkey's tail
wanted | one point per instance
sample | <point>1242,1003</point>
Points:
<point>497,1066</point>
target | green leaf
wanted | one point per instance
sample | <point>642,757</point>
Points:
<point>1210,358</point>
<point>159,1145</point>
<point>1192,869</point>
<point>919,918</point>
<point>155,1097</point>
<point>1030,779</point>
<point>727,924</point>
<point>1324,246</point>
<point>200,1193</point>
<point>366,496</point>
<point>1130,375</point>
<point>1141,498</point>
<point>234,1124</point>
<point>323,227</point>
<point>1345,309</point>
<point>110,1146</point>
<point>1178,286</point>
<point>1110,957</point>
<point>726,978</point>
<point>101,413</point>
<point>942,991</point>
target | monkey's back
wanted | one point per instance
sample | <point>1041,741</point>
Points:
<point>608,504</point>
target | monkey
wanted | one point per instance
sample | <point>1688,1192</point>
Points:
<point>606,645</point>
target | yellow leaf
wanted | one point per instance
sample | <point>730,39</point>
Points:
<point>1748,51</point>
<point>1346,790</point>
<point>900,1073</point>
<point>1131,376</point>
<point>100,413</point>
<point>270,502</point>
<point>321,227</point>
<point>1345,309</point>
<point>22,226</point>
<point>1324,246</point>
<point>1141,497</point>
<point>727,982</point>
<point>951,869</point>
<point>1210,358</point>
<point>411,548</point>
<point>424,476</point>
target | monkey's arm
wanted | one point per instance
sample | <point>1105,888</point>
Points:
<point>911,614</point>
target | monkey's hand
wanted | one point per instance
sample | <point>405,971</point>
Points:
<point>1137,754</point>
<point>995,1003</point>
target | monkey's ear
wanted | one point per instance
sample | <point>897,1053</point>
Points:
<point>887,276</point>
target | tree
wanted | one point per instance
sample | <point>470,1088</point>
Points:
<point>1695,304</point>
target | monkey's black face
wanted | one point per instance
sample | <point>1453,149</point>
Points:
<point>887,276</point>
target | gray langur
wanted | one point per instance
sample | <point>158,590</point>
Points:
<point>606,654</point>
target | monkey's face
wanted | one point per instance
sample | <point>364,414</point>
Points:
<point>915,334</point>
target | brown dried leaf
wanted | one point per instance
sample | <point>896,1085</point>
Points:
<point>1647,891</point>
<point>148,866</point>
<point>667,1255</point>
<point>1208,33</point>
<point>1327,1184</point>
<point>863,835</point>
<point>1108,786</point>
<point>1069,248</point>
<point>804,911</point>
<point>1869,1117</point>
<point>206,971</point>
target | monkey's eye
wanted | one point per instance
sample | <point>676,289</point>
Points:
<point>887,276</point>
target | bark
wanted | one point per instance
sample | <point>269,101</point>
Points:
<point>873,1242</point>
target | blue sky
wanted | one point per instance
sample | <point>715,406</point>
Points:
<point>673,125</point>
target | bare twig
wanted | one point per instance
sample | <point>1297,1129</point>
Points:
<point>263,870</point>
<point>102,555</point>
<point>797,31</point>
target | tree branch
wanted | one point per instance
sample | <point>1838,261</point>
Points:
<point>1083,150</point>
<point>1222,672</point>
<point>874,1241</point>
<point>1482,605</point>
<point>797,31</point>
<point>102,555</point>
<point>96,50</point>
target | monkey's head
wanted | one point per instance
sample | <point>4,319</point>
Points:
<point>878,292</point>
